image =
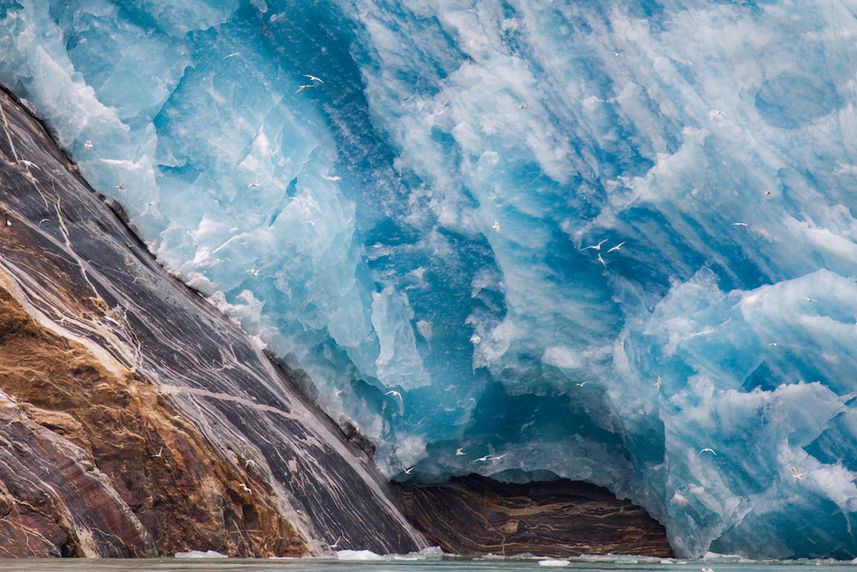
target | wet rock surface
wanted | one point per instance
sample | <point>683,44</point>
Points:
<point>478,515</point>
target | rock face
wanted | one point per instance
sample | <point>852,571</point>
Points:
<point>477,515</point>
<point>136,420</point>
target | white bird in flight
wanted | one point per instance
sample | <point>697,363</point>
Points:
<point>707,450</point>
<point>617,247</point>
<point>595,246</point>
<point>313,78</point>
<point>795,474</point>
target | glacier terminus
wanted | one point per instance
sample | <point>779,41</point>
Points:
<point>609,241</point>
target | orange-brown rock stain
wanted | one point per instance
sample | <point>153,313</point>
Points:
<point>183,491</point>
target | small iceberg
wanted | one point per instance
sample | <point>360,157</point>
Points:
<point>200,554</point>
<point>358,555</point>
<point>553,562</point>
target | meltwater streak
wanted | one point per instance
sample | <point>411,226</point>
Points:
<point>419,221</point>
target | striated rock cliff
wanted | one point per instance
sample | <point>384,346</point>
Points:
<point>478,515</point>
<point>135,420</point>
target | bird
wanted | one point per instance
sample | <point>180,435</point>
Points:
<point>581,384</point>
<point>253,184</point>
<point>496,226</point>
<point>44,220</point>
<point>313,78</point>
<point>773,344</point>
<point>395,393</point>
<point>707,450</point>
<point>303,87</point>
<point>595,246</point>
<point>489,457</point>
<point>658,384</point>
<point>522,106</point>
<point>617,247</point>
<point>87,145</point>
<point>795,474</point>
<point>811,300</point>
<point>601,260</point>
<point>245,487</point>
<point>120,187</point>
<point>160,453</point>
<point>459,451</point>
<point>232,55</point>
<point>409,470</point>
<point>739,224</point>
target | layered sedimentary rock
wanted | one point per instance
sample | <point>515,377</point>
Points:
<point>136,420</point>
<point>478,515</point>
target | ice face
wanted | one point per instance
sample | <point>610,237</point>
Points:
<point>613,242</point>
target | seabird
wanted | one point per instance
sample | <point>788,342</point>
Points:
<point>617,247</point>
<point>313,78</point>
<point>496,226</point>
<point>595,246</point>
<point>707,450</point>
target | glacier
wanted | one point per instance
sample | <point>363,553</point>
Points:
<point>614,242</point>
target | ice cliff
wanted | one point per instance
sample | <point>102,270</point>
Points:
<point>614,242</point>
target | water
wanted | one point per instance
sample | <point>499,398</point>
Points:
<point>409,565</point>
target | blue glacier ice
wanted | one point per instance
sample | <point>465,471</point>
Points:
<point>610,241</point>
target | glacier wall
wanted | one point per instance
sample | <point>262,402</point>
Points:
<point>614,242</point>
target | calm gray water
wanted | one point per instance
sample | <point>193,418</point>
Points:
<point>417,565</point>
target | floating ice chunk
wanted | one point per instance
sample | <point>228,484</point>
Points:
<point>358,555</point>
<point>200,554</point>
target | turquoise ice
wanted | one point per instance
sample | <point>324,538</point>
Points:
<point>610,241</point>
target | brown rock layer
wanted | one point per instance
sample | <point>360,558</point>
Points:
<point>478,515</point>
<point>181,490</point>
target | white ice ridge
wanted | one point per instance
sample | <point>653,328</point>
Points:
<point>613,242</point>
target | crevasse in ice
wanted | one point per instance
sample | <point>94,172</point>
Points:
<point>611,241</point>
